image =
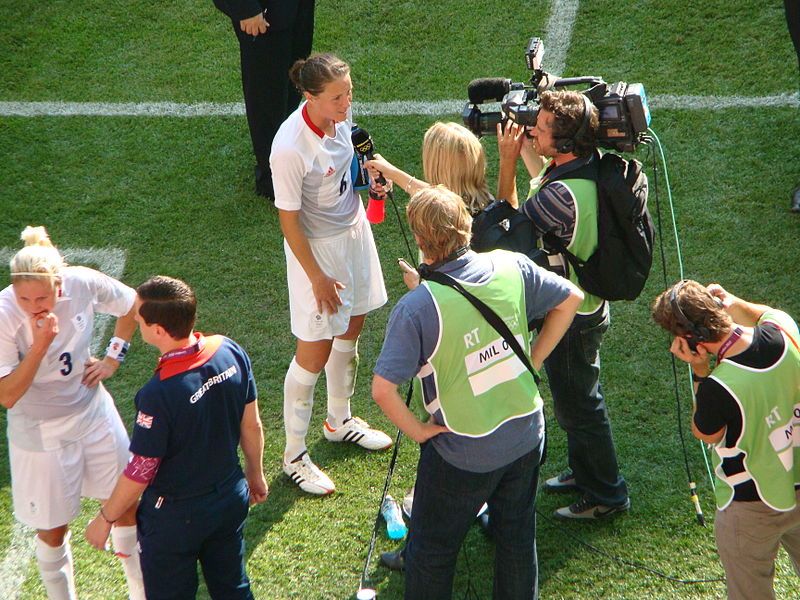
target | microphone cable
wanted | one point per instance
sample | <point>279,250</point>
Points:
<point>365,580</point>
<point>676,386</point>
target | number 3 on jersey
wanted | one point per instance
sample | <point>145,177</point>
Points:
<point>66,360</point>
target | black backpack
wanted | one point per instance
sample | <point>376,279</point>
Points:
<point>501,226</point>
<point>619,267</point>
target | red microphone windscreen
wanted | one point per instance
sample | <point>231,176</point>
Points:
<point>375,211</point>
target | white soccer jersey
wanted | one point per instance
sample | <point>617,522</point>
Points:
<point>57,390</point>
<point>311,173</point>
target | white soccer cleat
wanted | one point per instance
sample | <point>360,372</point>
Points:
<point>309,476</point>
<point>359,432</point>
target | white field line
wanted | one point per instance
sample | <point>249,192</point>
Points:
<point>558,35</point>
<point>395,108</point>
<point>14,566</point>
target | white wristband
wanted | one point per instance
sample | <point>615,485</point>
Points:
<point>117,349</point>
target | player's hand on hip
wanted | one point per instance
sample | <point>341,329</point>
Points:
<point>97,370</point>
<point>45,328</point>
<point>326,291</point>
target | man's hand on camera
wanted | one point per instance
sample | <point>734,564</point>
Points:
<point>509,140</point>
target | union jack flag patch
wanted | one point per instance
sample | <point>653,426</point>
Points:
<point>144,421</point>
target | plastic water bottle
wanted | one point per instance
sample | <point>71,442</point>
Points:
<point>395,526</point>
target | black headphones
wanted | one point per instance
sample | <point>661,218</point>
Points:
<point>566,145</point>
<point>695,333</point>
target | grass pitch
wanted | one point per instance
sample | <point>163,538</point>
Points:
<point>175,194</point>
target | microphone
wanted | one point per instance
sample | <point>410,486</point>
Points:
<point>487,88</point>
<point>365,148</point>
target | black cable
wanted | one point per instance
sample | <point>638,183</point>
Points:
<point>676,385</point>
<point>623,561</point>
<point>390,472</point>
<point>411,254</point>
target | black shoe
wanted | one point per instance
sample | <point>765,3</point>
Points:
<point>587,509</point>
<point>563,482</point>
<point>396,561</point>
<point>794,205</point>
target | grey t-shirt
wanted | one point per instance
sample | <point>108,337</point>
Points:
<point>411,335</point>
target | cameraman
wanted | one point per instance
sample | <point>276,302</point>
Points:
<point>563,202</point>
<point>747,407</point>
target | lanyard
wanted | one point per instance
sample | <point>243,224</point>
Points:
<point>183,352</point>
<point>726,345</point>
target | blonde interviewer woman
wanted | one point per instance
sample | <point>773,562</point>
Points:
<point>65,437</point>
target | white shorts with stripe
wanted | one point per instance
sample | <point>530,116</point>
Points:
<point>47,486</point>
<point>349,257</point>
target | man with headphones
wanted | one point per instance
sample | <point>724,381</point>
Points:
<point>562,204</point>
<point>748,407</point>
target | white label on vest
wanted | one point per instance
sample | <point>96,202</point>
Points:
<point>786,438</point>
<point>492,365</point>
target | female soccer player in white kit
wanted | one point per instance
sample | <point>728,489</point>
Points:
<point>332,264</point>
<point>65,437</point>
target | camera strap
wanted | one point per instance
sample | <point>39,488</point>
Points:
<point>488,314</point>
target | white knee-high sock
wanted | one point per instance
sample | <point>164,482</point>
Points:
<point>124,540</point>
<point>340,376</point>
<point>298,399</point>
<point>55,567</point>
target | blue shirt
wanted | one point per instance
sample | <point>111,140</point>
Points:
<point>411,335</point>
<point>190,414</point>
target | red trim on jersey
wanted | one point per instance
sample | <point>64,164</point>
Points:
<point>310,124</point>
<point>198,354</point>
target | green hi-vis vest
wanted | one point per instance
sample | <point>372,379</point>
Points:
<point>769,400</point>
<point>584,234</point>
<point>480,382</point>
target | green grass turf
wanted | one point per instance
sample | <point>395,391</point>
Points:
<point>176,194</point>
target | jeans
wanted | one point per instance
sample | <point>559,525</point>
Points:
<point>177,534</point>
<point>573,372</point>
<point>446,500</point>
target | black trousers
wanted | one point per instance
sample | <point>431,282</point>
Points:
<point>792,8</point>
<point>269,97</point>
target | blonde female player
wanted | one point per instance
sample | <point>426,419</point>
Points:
<point>65,437</point>
<point>332,265</point>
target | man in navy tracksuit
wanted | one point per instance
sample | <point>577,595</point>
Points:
<point>193,413</point>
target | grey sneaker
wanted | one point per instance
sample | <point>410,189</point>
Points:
<point>396,561</point>
<point>587,509</point>
<point>563,482</point>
